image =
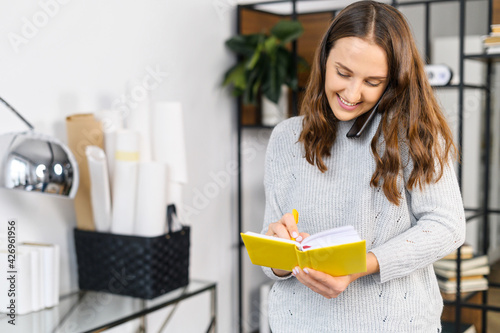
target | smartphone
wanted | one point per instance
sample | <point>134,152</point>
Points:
<point>362,121</point>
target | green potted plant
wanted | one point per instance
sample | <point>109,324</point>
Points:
<point>265,64</point>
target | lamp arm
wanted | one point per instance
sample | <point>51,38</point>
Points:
<point>17,113</point>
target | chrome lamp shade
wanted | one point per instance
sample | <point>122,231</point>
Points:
<point>37,163</point>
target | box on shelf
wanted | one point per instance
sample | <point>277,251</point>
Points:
<point>144,267</point>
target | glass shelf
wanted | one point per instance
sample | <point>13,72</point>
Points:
<point>90,311</point>
<point>457,86</point>
<point>483,57</point>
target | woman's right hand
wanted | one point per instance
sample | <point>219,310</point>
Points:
<point>285,228</point>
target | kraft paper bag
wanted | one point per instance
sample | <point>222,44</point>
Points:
<point>83,130</point>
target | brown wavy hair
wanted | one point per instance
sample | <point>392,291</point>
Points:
<point>410,112</point>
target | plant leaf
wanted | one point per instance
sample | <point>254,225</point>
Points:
<point>287,31</point>
<point>244,44</point>
<point>255,57</point>
<point>254,80</point>
<point>270,45</point>
<point>277,74</point>
<point>236,76</point>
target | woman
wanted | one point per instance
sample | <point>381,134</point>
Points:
<point>392,179</point>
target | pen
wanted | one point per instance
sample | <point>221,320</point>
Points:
<point>296,217</point>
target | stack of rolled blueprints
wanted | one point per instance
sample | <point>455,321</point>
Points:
<point>141,170</point>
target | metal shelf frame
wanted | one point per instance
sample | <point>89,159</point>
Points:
<point>482,212</point>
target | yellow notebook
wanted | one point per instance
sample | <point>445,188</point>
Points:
<point>337,251</point>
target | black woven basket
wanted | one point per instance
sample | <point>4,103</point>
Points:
<point>144,267</point>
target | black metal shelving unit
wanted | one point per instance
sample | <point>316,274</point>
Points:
<point>482,212</point>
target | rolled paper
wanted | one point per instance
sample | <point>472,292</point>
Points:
<point>112,120</point>
<point>83,130</point>
<point>125,182</point>
<point>110,150</point>
<point>139,117</point>
<point>99,188</point>
<point>150,218</point>
<point>168,140</point>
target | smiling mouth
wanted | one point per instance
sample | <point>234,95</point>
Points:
<point>346,102</point>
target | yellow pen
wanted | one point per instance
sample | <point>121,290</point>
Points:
<point>296,217</point>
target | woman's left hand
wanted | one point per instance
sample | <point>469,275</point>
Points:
<point>322,283</point>
<point>332,286</point>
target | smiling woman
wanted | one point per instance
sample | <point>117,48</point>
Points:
<point>353,92</point>
<point>393,182</point>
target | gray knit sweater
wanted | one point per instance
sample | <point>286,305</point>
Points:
<point>406,239</point>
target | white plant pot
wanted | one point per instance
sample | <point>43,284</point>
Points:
<point>273,113</point>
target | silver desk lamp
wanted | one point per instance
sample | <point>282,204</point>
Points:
<point>35,162</point>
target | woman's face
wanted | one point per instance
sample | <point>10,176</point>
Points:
<point>356,77</point>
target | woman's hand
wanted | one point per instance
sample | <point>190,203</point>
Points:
<point>322,283</point>
<point>285,228</point>
<point>332,286</point>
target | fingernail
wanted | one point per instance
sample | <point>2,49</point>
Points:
<point>295,234</point>
<point>306,271</point>
<point>296,270</point>
<point>298,239</point>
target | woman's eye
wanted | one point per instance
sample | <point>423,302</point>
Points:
<point>342,74</point>
<point>373,84</point>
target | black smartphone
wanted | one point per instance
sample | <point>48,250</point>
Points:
<point>362,121</point>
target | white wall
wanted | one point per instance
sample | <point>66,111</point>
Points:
<point>71,57</point>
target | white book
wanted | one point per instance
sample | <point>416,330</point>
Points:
<point>36,273</point>
<point>465,264</point>
<point>448,286</point>
<point>24,276</point>
<point>482,270</point>
<point>494,49</point>
<point>15,283</point>
<point>50,273</point>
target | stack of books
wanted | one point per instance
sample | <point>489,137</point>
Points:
<point>491,42</point>
<point>473,269</point>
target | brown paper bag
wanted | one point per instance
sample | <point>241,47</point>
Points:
<point>83,130</point>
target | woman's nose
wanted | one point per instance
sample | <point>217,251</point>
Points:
<point>353,92</point>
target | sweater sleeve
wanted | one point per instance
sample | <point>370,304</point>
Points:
<point>438,227</point>
<point>275,167</point>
